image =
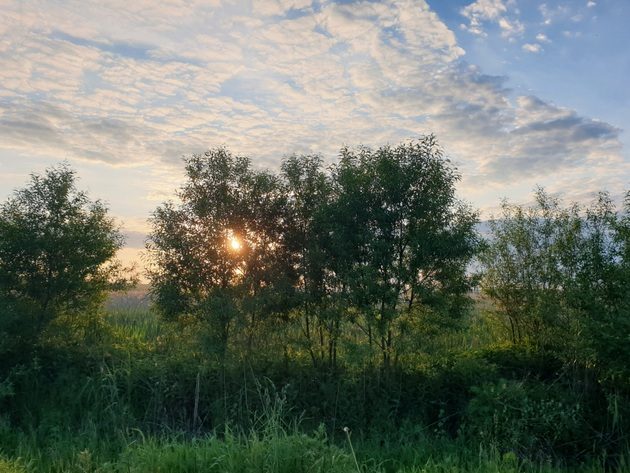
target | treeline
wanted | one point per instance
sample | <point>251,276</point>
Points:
<point>560,279</point>
<point>357,254</point>
<point>359,294</point>
<point>375,249</point>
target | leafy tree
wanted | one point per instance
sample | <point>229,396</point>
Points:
<point>398,238</point>
<point>380,236</point>
<point>559,275</point>
<point>600,291</point>
<point>220,254</point>
<point>308,190</point>
<point>57,250</point>
<point>531,258</point>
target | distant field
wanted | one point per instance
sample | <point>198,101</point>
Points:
<point>138,297</point>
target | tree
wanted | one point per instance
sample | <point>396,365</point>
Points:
<point>308,189</point>
<point>57,249</point>
<point>559,276</point>
<point>220,254</point>
<point>398,238</point>
<point>601,292</point>
<point>532,256</point>
<point>381,235</point>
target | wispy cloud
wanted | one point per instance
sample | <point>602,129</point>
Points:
<point>510,28</point>
<point>481,11</point>
<point>500,12</point>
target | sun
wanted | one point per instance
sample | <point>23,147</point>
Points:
<point>235,243</point>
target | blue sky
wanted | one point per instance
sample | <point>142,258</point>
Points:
<point>572,53</point>
<point>520,93</point>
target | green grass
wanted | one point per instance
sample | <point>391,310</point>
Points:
<point>138,323</point>
<point>273,445</point>
<point>11,466</point>
<point>278,450</point>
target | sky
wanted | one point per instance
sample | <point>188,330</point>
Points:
<point>519,93</point>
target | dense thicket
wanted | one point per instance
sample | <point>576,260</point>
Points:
<point>560,278</point>
<point>357,295</point>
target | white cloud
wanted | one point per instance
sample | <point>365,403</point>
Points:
<point>278,7</point>
<point>484,10</point>
<point>571,34</point>
<point>501,12</point>
<point>140,84</point>
<point>532,47</point>
<point>542,38</point>
<point>561,13</point>
<point>546,14</point>
<point>511,28</point>
<point>481,11</point>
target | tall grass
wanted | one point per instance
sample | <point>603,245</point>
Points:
<point>274,444</point>
<point>138,323</point>
<point>277,449</point>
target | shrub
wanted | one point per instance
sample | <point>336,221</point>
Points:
<point>528,417</point>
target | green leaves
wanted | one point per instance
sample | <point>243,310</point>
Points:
<point>560,276</point>
<point>226,239</point>
<point>397,235</point>
<point>380,232</point>
<point>57,248</point>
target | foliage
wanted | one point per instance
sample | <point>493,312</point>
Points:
<point>559,276</point>
<point>309,191</point>
<point>601,292</point>
<point>319,319</point>
<point>365,248</point>
<point>283,450</point>
<point>218,254</point>
<point>57,250</point>
<point>397,238</point>
<point>526,417</point>
<point>527,265</point>
<point>11,466</point>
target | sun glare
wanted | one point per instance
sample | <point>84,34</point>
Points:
<point>235,244</point>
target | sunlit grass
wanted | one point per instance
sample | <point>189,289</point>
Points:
<point>136,323</point>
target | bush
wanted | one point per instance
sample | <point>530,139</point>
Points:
<point>528,417</point>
